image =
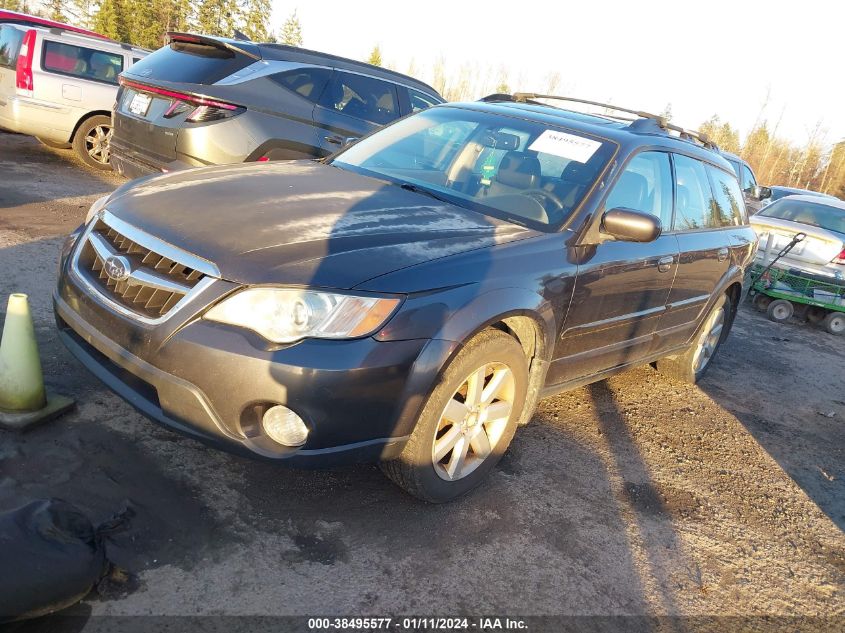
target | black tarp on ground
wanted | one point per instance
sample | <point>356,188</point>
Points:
<point>50,557</point>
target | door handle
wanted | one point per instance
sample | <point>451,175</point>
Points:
<point>664,264</point>
<point>334,140</point>
<point>723,254</point>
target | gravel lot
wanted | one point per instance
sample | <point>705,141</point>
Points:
<point>634,496</point>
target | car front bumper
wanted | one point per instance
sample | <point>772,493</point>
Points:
<point>359,398</point>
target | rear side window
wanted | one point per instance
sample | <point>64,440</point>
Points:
<point>645,185</point>
<point>191,63</point>
<point>361,97</point>
<point>78,61</point>
<point>420,100</point>
<point>694,202</point>
<point>729,209</point>
<point>746,179</point>
<point>306,82</point>
<point>10,45</point>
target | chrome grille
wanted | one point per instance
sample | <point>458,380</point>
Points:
<point>148,284</point>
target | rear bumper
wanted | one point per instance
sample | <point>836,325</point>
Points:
<point>132,166</point>
<point>359,398</point>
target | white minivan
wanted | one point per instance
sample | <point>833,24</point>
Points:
<point>60,87</point>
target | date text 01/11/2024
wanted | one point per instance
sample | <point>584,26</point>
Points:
<point>417,624</point>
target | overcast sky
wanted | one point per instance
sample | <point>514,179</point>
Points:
<point>704,57</point>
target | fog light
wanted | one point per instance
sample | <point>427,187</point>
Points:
<point>284,426</point>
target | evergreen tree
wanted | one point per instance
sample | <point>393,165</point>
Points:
<point>217,17</point>
<point>292,31</point>
<point>375,57</point>
<point>10,5</point>
<point>256,19</point>
<point>111,21</point>
<point>56,10</point>
<point>82,12</point>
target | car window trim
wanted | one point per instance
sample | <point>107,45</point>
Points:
<point>43,58</point>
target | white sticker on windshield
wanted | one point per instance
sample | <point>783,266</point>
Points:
<point>565,145</point>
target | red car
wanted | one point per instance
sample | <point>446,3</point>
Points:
<point>32,20</point>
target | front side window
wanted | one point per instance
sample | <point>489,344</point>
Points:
<point>747,180</point>
<point>306,82</point>
<point>515,169</point>
<point>10,45</point>
<point>729,209</point>
<point>361,97</point>
<point>78,61</point>
<point>645,185</point>
<point>694,202</point>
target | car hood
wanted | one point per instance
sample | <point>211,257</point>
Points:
<point>302,223</point>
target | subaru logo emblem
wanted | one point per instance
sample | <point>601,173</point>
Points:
<point>118,268</point>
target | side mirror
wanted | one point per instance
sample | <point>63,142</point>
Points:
<point>760,193</point>
<point>631,226</point>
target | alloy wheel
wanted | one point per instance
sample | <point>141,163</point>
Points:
<point>97,143</point>
<point>711,333</point>
<point>473,421</point>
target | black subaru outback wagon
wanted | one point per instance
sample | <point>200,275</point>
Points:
<point>410,299</point>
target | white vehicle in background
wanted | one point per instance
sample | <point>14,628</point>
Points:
<point>60,86</point>
<point>821,219</point>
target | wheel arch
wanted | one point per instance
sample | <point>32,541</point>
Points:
<point>84,118</point>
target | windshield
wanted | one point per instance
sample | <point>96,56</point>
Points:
<point>522,171</point>
<point>812,213</point>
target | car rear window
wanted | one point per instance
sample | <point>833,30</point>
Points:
<point>82,62</point>
<point>812,213</point>
<point>189,62</point>
<point>10,44</point>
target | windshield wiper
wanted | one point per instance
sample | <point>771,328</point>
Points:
<point>407,186</point>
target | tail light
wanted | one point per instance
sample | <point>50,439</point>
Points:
<point>839,259</point>
<point>202,109</point>
<point>23,70</point>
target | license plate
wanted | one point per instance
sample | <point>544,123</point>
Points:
<point>140,104</point>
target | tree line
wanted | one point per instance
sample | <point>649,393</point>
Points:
<point>144,22</point>
<point>815,164</point>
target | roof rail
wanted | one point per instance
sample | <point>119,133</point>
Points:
<point>661,121</point>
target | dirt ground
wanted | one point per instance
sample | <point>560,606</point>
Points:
<point>634,496</point>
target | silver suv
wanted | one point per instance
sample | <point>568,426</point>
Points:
<point>60,87</point>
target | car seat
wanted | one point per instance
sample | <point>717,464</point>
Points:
<point>517,172</point>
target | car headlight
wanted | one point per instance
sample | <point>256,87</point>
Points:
<point>285,315</point>
<point>98,205</point>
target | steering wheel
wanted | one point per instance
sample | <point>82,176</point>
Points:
<point>545,195</point>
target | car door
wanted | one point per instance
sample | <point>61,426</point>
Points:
<point>351,106</point>
<point>622,288</point>
<point>703,228</point>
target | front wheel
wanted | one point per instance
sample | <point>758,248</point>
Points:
<point>467,422</point>
<point>691,365</point>
<point>780,310</point>
<point>91,142</point>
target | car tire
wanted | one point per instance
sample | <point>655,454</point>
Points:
<point>429,467</point>
<point>834,322</point>
<point>91,142</point>
<point>53,144</point>
<point>780,310</point>
<point>691,365</point>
